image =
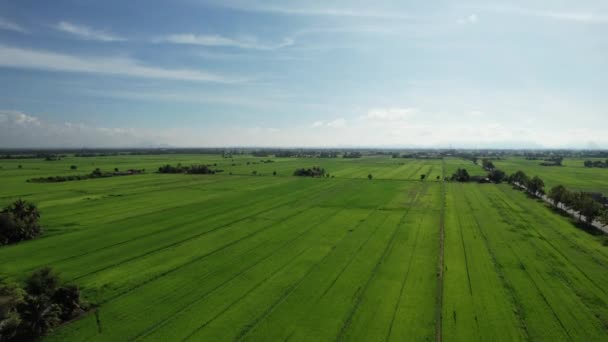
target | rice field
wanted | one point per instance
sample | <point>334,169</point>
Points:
<point>236,256</point>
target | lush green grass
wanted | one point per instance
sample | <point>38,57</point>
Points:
<point>516,270</point>
<point>264,258</point>
<point>572,174</point>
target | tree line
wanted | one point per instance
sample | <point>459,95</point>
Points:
<point>312,172</point>
<point>19,221</point>
<point>582,202</point>
<point>586,204</point>
<point>31,311</point>
<point>596,163</point>
<point>200,169</point>
<point>97,173</point>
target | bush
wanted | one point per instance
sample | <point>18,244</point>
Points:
<point>18,222</point>
<point>27,314</point>
<point>313,172</point>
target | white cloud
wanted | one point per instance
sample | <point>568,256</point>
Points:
<point>573,16</point>
<point>6,24</point>
<point>470,19</point>
<point>390,114</point>
<point>18,129</point>
<point>336,123</point>
<point>87,33</point>
<point>217,40</point>
<point>44,60</point>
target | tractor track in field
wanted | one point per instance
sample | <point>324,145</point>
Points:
<point>386,251</point>
<point>466,259</point>
<point>441,264</point>
<point>519,312</point>
<point>313,267</point>
<point>505,216</point>
<point>206,294</point>
<point>558,251</point>
<point>249,327</point>
<point>349,262</point>
<point>256,286</point>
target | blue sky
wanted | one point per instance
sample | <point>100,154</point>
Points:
<point>304,73</point>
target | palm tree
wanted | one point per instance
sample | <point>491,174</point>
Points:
<point>39,315</point>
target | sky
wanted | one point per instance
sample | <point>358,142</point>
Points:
<point>396,74</point>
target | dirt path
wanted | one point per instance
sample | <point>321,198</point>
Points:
<point>439,314</point>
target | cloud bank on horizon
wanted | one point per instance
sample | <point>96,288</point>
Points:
<point>304,73</point>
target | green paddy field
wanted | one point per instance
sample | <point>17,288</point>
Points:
<point>237,256</point>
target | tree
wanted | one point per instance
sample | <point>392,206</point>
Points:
<point>42,282</point>
<point>519,178</point>
<point>536,186</point>
<point>73,167</point>
<point>274,173</point>
<point>39,315</point>
<point>19,221</point>
<point>438,177</point>
<point>487,164</point>
<point>422,177</point>
<point>370,176</point>
<point>67,298</point>
<point>11,297</point>
<point>496,175</point>
<point>604,217</point>
<point>589,208</point>
<point>461,175</point>
<point>557,194</point>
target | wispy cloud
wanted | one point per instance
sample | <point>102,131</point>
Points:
<point>308,9</point>
<point>6,24</point>
<point>87,33</point>
<point>19,129</point>
<point>37,59</point>
<point>572,16</point>
<point>469,19</point>
<point>337,123</point>
<point>390,114</point>
<point>217,40</point>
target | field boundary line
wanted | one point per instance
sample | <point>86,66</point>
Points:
<point>439,305</point>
